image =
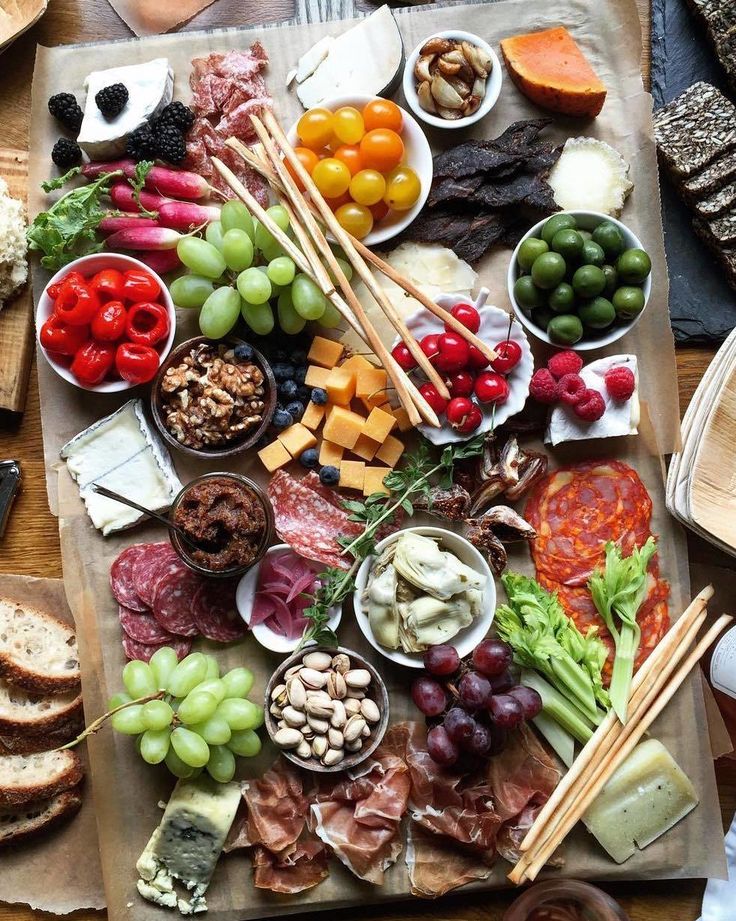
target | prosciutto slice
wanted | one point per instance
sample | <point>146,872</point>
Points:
<point>303,868</point>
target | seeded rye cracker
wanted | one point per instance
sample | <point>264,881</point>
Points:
<point>719,20</point>
<point>717,202</point>
<point>711,179</point>
<point>726,255</point>
<point>695,128</point>
<point>721,230</point>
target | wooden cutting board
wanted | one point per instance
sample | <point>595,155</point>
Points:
<point>16,318</point>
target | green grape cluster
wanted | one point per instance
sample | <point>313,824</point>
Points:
<point>240,269</point>
<point>201,723</point>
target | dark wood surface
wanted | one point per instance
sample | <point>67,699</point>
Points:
<point>31,543</point>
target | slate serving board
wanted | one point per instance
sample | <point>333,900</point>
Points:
<point>702,305</point>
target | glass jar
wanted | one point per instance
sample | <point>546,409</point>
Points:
<point>565,900</point>
<point>185,551</point>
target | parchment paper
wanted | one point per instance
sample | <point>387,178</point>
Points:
<point>609,34</point>
<point>58,871</point>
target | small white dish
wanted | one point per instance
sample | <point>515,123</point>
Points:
<point>418,155</point>
<point>493,83</point>
<point>89,266</point>
<point>587,220</point>
<point>245,595</point>
<point>466,640</point>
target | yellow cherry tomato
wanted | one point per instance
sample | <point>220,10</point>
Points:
<point>382,113</point>
<point>381,149</point>
<point>356,219</point>
<point>315,128</point>
<point>348,125</point>
<point>403,188</point>
<point>331,177</point>
<point>367,187</point>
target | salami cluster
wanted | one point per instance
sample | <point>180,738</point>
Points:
<point>575,511</point>
<point>164,603</point>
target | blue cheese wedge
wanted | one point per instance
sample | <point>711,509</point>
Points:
<point>123,453</point>
<point>645,797</point>
<point>620,417</point>
<point>187,844</point>
<point>150,88</point>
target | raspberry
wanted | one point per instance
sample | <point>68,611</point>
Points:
<point>572,388</point>
<point>543,387</point>
<point>590,407</point>
<point>567,362</point>
<point>620,382</point>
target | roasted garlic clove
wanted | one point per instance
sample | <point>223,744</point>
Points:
<point>421,68</point>
<point>445,95</point>
<point>426,100</point>
<point>478,59</point>
<point>437,45</point>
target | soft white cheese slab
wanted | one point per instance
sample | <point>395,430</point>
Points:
<point>150,88</point>
<point>620,417</point>
<point>123,453</point>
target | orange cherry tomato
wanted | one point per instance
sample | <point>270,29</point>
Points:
<point>308,159</point>
<point>379,211</point>
<point>336,203</point>
<point>382,113</point>
<point>381,149</point>
<point>349,154</point>
<point>315,128</point>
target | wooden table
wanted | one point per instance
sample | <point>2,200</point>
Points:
<point>31,543</point>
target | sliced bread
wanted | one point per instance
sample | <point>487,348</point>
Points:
<point>19,822</point>
<point>25,778</point>
<point>37,651</point>
<point>18,744</point>
<point>24,713</point>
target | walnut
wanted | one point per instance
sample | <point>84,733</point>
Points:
<point>178,378</point>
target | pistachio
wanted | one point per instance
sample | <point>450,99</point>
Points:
<point>290,672</point>
<point>282,724</point>
<point>321,696</point>
<point>341,663</point>
<point>304,749</point>
<point>308,733</point>
<point>288,738</point>
<point>276,711</point>
<point>351,706</point>
<point>369,710</point>
<point>319,709</point>
<point>294,717</point>
<point>354,728</point>
<point>358,678</point>
<point>335,738</point>
<point>311,678</point>
<point>296,692</point>
<point>355,694</point>
<point>339,716</point>
<point>355,746</point>
<point>336,686</point>
<point>320,661</point>
<point>319,725</point>
<point>332,757</point>
<point>366,731</point>
<point>319,746</point>
<point>277,692</point>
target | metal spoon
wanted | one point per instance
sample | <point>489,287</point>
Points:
<point>164,519</point>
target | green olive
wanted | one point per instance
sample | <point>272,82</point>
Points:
<point>555,223</point>
<point>597,313</point>
<point>588,281</point>
<point>562,298</point>
<point>529,250</point>
<point>548,270</point>
<point>568,243</point>
<point>565,329</point>
<point>541,317</point>
<point>633,266</point>
<point>610,239</point>
<point>527,295</point>
<point>592,254</point>
<point>628,302</point>
<point>611,280</point>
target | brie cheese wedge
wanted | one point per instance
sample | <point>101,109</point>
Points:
<point>123,453</point>
<point>620,417</point>
<point>150,88</point>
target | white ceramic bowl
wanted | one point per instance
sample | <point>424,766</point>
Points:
<point>493,84</point>
<point>89,266</point>
<point>494,328</point>
<point>418,155</point>
<point>466,640</point>
<point>244,596</point>
<point>587,220</point>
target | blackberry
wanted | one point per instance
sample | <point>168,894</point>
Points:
<point>65,109</point>
<point>141,144</point>
<point>170,145</point>
<point>66,153</point>
<point>111,100</point>
<point>178,115</point>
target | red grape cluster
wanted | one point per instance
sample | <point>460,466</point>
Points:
<point>472,705</point>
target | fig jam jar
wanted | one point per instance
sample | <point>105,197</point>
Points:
<point>565,900</point>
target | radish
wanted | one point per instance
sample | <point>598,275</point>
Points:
<point>145,238</point>
<point>113,224</point>
<point>161,179</point>
<point>186,215</point>
<point>122,197</point>
<point>94,170</point>
<point>160,261</point>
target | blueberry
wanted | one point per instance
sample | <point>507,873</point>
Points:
<point>304,394</point>
<point>300,374</point>
<point>309,458</point>
<point>279,355</point>
<point>288,389</point>
<point>282,419</point>
<point>298,357</point>
<point>329,475</point>
<point>295,409</point>
<point>319,396</point>
<point>282,371</point>
<point>243,352</point>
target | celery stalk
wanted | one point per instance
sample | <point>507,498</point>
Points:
<point>558,707</point>
<point>560,740</point>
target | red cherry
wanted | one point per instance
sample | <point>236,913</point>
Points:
<point>467,315</point>
<point>430,346</point>
<point>460,384</point>
<point>453,352</point>
<point>463,415</point>
<point>432,396</point>
<point>491,387</point>
<point>476,358</point>
<point>508,356</point>
<point>403,356</point>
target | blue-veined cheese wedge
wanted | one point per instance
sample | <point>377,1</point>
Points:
<point>150,88</point>
<point>123,453</point>
<point>187,843</point>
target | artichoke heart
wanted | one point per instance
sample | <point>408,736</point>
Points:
<point>430,621</point>
<point>380,600</point>
<point>440,574</point>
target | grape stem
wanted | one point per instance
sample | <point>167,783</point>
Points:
<point>97,724</point>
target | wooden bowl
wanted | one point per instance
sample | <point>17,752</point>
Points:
<point>377,692</point>
<point>237,447</point>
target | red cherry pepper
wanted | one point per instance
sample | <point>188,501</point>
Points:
<point>53,290</point>
<point>139,285</point>
<point>108,285</point>
<point>136,363</point>
<point>76,303</point>
<point>147,323</point>
<point>57,336</point>
<point>108,324</point>
<point>92,362</point>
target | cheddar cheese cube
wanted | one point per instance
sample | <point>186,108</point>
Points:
<point>379,424</point>
<point>366,448</point>
<point>325,352</point>
<point>274,456</point>
<point>367,404</point>
<point>330,455</point>
<point>373,480</point>
<point>317,377</point>
<point>313,416</point>
<point>390,451</point>
<point>340,385</point>
<point>352,474</point>
<point>297,438</point>
<point>343,427</point>
<point>356,363</point>
<point>371,385</point>
<point>402,419</point>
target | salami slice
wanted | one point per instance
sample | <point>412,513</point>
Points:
<point>121,578</point>
<point>172,600</point>
<point>143,627</point>
<point>143,651</point>
<point>146,567</point>
<point>215,612</point>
